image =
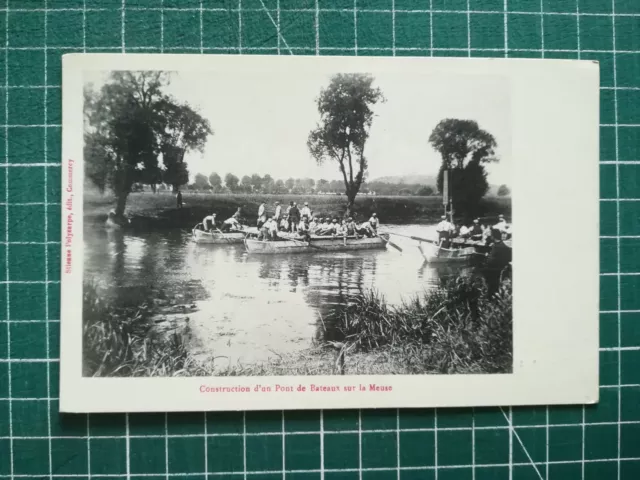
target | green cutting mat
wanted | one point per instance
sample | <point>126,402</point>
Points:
<point>599,442</point>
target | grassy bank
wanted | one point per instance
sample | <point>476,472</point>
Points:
<point>457,328</point>
<point>148,210</point>
<point>124,341</point>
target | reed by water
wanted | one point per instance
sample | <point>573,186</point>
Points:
<point>459,327</point>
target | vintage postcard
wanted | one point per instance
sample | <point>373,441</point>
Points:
<point>262,232</point>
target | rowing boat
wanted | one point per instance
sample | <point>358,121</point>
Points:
<point>316,244</point>
<point>433,253</point>
<point>217,237</point>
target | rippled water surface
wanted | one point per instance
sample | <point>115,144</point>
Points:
<point>250,307</point>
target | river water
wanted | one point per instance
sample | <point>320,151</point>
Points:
<point>246,308</point>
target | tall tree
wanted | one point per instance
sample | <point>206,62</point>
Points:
<point>245,183</point>
<point>279,186</point>
<point>322,184</point>
<point>231,182</point>
<point>256,182</point>
<point>289,183</point>
<point>215,181</point>
<point>129,123</point>
<point>465,148</point>
<point>346,115</point>
<point>267,184</point>
<point>201,182</point>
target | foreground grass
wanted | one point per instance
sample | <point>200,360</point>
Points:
<point>148,210</point>
<point>458,328</point>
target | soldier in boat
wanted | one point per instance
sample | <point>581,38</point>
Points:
<point>351,227</point>
<point>365,229</point>
<point>475,231</point>
<point>284,224</point>
<point>305,210</point>
<point>445,230</point>
<point>230,224</point>
<point>374,223</point>
<point>209,222</point>
<point>294,217</point>
<point>272,227</point>
<point>503,227</point>
<point>262,214</point>
<point>324,228</point>
<point>276,216</point>
<point>498,260</point>
<point>179,199</point>
<point>304,229</point>
<point>313,225</point>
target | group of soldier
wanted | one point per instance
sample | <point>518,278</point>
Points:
<point>295,221</point>
<point>476,232</point>
<point>303,223</point>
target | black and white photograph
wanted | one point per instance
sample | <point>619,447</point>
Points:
<point>266,233</point>
<point>302,224</point>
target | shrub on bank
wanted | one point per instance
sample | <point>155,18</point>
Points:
<point>456,328</point>
<point>120,341</point>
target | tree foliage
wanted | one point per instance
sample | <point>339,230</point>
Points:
<point>130,123</point>
<point>503,191</point>
<point>346,115</point>
<point>201,182</point>
<point>231,182</point>
<point>465,148</point>
<point>215,181</point>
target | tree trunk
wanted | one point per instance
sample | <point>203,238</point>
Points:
<point>121,203</point>
<point>351,198</point>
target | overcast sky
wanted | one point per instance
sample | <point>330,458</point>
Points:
<point>261,124</point>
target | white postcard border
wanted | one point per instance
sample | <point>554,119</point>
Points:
<point>555,150</point>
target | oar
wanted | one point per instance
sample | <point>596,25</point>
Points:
<point>389,242</point>
<point>419,239</point>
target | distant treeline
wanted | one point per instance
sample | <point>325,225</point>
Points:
<point>296,186</point>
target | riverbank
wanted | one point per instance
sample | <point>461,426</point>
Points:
<point>158,211</point>
<point>456,328</point>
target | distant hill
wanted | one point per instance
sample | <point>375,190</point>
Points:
<point>407,179</point>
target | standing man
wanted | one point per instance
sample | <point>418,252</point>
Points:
<point>276,216</point>
<point>179,199</point>
<point>294,217</point>
<point>262,216</point>
<point>306,210</point>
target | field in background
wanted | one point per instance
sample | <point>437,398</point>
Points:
<point>149,210</point>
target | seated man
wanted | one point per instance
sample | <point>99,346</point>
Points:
<point>272,227</point>
<point>324,228</point>
<point>313,224</point>
<point>351,227</point>
<point>476,232</point>
<point>284,224</point>
<point>374,223</point>
<point>342,229</point>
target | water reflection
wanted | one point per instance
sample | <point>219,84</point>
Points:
<point>251,307</point>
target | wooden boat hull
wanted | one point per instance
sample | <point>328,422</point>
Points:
<point>200,236</point>
<point>317,245</point>
<point>434,254</point>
